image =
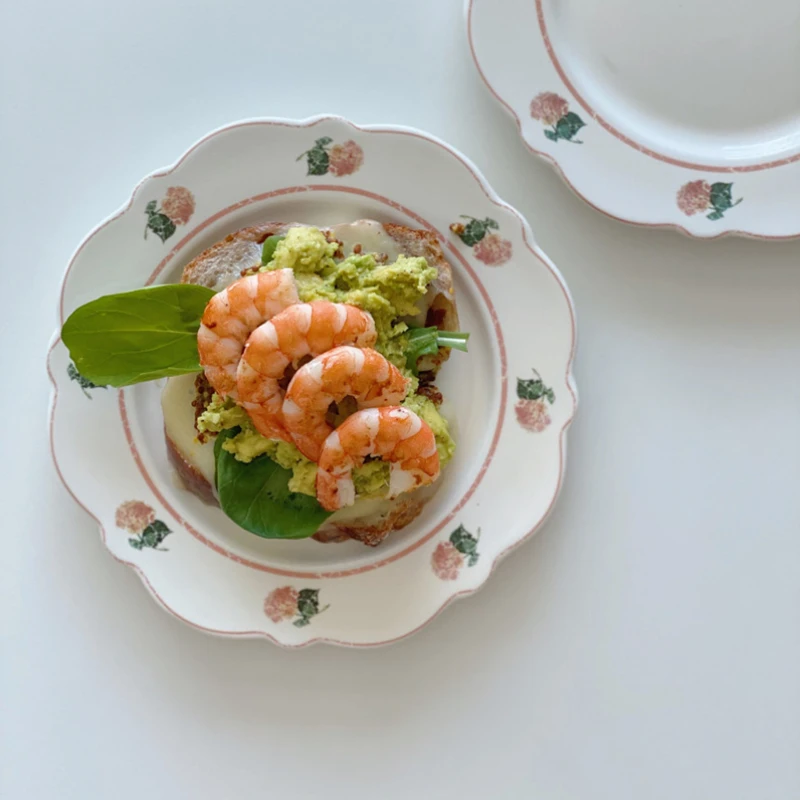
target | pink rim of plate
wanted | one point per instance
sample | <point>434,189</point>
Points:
<point>554,163</point>
<point>526,239</point>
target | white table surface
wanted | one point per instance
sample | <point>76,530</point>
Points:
<point>645,645</point>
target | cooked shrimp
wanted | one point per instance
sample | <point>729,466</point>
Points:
<point>394,434</point>
<point>364,375</point>
<point>306,329</point>
<point>232,315</point>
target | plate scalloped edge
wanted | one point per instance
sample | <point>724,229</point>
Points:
<point>553,162</point>
<point>527,237</point>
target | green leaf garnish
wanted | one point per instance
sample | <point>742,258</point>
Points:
<point>256,496</point>
<point>268,250</point>
<point>137,336</point>
<point>427,341</point>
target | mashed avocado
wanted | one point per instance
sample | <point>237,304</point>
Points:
<point>303,250</point>
<point>426,410</point>
<point>387,291</point>
<point>371,479</point>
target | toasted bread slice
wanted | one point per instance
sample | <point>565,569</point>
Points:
<point>369,521</point>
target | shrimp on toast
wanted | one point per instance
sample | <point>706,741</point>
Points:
<point>363,374</point>
<point>305,329</point>
<point>232,315</point>
<point>392,433</point>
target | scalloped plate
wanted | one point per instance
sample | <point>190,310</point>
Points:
<point>685,115</point>
<point>512,396</point>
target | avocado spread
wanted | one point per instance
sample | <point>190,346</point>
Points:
<point>388,292</point>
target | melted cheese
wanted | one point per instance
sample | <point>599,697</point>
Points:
<point>370,235</point>
<point>176,404</point>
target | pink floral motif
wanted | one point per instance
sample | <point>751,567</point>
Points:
<point>490,248</point>
<point>177,207</point>
<point>559,122</point>
<point>447,561</point>
<point>178,204</point>
<point>548,108</point>
<point>281,603</point>
<point>532,406</point>
<point>699,197</point>
<point>345,158</point>
<point>493,250</point>
<point>532,415</point>
<point>139,519</point>
<point>694,197</point>
<point>337,159</point>
<point>134,516</point>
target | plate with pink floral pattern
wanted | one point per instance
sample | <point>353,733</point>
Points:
<point>684,115</point>
<point>512,396</point>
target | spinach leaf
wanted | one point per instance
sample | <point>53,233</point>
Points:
<point>270,245</point>
<point>256,496</point>
<point>137,336</point>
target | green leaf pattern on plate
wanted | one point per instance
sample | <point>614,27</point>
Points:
<point>152,536</point>
<point>317,157</point>
<point>466,544</point>
<point>307,606</point>
<point>158,222</point>
<point>721,199</point>
<point>566,128</point>
<point>474,230</point>
<point>534,388</point>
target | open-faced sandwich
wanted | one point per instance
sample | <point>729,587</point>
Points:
<point>300,366</point>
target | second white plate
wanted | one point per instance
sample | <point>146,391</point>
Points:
<point>658,114</point>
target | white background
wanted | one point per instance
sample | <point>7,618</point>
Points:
<point>645,645</point>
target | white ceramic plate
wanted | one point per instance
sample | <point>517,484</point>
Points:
<point>682,114</point>
<point>109,446</point>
